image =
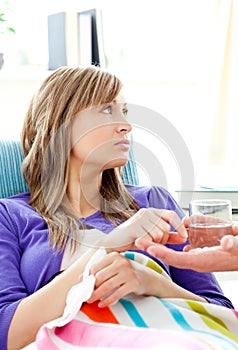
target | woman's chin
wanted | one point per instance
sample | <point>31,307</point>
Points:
<point>117,163</point>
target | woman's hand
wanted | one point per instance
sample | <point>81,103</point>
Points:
<point>117,276</point>
<point>150,223</point>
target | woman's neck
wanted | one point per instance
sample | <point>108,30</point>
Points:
<point>84,193</point>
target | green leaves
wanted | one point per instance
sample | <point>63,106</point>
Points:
<point>3,22</point>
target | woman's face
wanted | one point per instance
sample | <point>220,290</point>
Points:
<point>99,136</point>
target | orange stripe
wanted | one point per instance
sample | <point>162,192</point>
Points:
<point>98,314</point>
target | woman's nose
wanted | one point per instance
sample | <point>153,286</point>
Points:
<point>124,127</point>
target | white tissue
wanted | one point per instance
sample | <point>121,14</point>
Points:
<point>78,294</point>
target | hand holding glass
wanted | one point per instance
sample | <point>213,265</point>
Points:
<point>210,220</point>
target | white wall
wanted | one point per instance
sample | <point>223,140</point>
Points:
<point>15,92</point>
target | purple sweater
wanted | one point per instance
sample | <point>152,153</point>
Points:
<point>27,262</point>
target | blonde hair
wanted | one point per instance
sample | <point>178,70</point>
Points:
<point>46,146</point>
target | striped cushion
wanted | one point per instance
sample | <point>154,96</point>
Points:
<point>11,180</point>
<point>130,175</point>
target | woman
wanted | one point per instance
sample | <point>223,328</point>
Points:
<point>75,142</point>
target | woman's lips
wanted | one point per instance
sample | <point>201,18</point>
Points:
<point>123,144</point>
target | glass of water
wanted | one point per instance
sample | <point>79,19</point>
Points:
<point>210,220</point>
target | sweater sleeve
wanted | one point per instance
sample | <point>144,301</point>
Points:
<point>12,288</point>
<point>200,283</point>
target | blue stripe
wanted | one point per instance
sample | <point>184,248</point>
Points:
<point>129,255</point>
<point>178,317</point>
<point>133,313</point>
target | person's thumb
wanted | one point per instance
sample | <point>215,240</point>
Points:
<point>228,243</point>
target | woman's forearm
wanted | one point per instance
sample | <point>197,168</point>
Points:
<point>176,291</point>
<point>163,287</point>
<point>48,303</point>
<point>44,305</point>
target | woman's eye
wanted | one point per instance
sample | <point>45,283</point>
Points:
<point>107,110</point>
<point>125,112</point>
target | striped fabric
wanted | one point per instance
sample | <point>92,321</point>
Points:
<point>11,180</point>
<point>142,322</point>
<point>78,335</point>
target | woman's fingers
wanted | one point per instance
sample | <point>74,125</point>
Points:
<point>174,238</point>
<point>142,243</point>
<point>107,290</point>
<point>151,223</point>
<point>107,295</point>
<point>174,220</point>
<point>157,223</point>
<point>106,262</point>
<point>112,273</point>
<point>156,228</point>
